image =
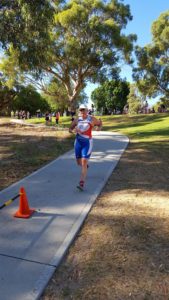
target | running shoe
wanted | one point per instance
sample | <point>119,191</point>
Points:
<point>80,186</point>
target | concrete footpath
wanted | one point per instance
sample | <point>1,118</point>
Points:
<point>31,249</point>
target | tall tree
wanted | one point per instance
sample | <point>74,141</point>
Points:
<point>29,99</point>
<point>98,98</point>
<point>134,101</point>
<point>56,95</point>
<point>152,71</point>
<point>86,43</point>
<point>6,97</point>
<point>111,96</point>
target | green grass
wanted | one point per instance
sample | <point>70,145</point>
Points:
<point>144,128</point>
<point>64,121</point>
<point>36,120</point>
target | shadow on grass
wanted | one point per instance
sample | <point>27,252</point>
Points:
<point>22,154</point>
<point>152,133</point>
<point>144,167</point>
<point>132,121</point>
<point>122,252</point>
<point>137,118</point>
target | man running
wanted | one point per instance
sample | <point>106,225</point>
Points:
<point>83,126</point>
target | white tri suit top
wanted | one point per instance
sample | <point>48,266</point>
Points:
<point>84,142</point>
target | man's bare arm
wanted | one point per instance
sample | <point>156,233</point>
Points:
<point>72,126</point>
<point>97,122</point>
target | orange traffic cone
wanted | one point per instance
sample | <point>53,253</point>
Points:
<point>24,211</point>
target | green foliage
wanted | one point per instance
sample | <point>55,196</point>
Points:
<point>25,25</point>
<point>133,100</point>
<point>56,96</point>
<point>160,31</point>
<point>152,72</point>
<point>11,74</point>
<point>98,98</point>
<point>29,99</point>
<point>6,97</point>
<point>110,96</point>
<point>81,41</point>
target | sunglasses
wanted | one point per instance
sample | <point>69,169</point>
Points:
<point>82,109</point>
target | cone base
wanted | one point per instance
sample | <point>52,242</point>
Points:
<point>18,214</point>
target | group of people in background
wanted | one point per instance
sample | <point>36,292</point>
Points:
<point>149,110</point>
<point>48,117</point>
<point>145,109</point>
<point>21,114</point>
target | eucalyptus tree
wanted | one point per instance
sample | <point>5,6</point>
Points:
<point>84,41</point>
<point>23,33</point>
<point>152,71</point>
<point>87,43</point>
<point>56,95</point>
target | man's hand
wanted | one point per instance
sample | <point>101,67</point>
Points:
<point>72,128</point>
<point>77,130</point>
<point>99,126</point>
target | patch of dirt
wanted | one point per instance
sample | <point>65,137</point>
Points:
<point>122,249</point>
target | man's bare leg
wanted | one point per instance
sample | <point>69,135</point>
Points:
<point>79,161</point>
<point>84,169</point>
<point>83,163</point>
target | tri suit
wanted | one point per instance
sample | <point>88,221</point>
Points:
<point>84,142</point>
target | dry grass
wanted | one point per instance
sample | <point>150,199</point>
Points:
<point>25,149</point>
<point>122,250</point>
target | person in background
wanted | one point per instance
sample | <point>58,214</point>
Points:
<point>72,113</point>
<point>146,107</point>
<point>50,118</point>
<point>47,118</point>
<point>28,115</point>
<point>83,126</point>
<point>57,117</point>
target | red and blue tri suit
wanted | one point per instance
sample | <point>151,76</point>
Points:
<point>84,142</point>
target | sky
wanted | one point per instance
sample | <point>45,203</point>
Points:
<point>144,13</point>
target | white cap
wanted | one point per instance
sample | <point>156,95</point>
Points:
<point>83,106</point>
